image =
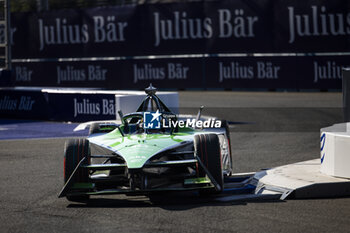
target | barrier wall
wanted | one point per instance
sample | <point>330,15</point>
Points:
<point>208,44</point>
<point>24,103</point>
<point>213,72</point>
<point>76,105</point>
<point>241,26</point>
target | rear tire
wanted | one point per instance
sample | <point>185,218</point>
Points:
<point>207,148</point>
<point>75,150</point>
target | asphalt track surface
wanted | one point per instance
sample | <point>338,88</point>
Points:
<point>269,129</point>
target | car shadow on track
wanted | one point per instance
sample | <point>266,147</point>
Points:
<point>165,201</point>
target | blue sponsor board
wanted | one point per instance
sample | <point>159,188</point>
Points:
<point>284,72</point>
<point>79,107</point>
<point>35,103</point>
<point>201,44</point>
<point>30,104</point>
<point>195,27</point>
<point>119,74</point>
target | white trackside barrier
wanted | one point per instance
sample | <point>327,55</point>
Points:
<point>335,150</point>
<point>318,178</point>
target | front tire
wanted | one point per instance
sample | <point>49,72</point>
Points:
<point>207,149</point>
<point>75,150</point>
<point>225,124</point>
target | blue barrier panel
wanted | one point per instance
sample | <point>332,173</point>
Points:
<point>251,72</point>
<point>199,44</point>
<point>43,104</point>
<point>197,27</point>
<point>78,107</point>
<point>24,104</point>
<point>270,72</point>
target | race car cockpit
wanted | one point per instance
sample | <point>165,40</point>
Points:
<point>149,116</point>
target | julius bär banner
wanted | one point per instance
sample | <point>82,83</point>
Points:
<point>241,26</point>
<point>23,104</point>
<point>290,72</point>
<point>117,74</point>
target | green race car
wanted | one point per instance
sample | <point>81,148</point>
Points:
<point>152,150</point>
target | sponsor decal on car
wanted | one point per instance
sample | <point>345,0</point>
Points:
<point>156,120</point>
<point>151,120</point>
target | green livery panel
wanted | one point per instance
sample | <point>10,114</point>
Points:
<point>137,149</point>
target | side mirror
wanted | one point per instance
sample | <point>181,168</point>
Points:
<point>199,113</point>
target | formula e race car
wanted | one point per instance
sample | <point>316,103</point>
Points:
<point>150,150</point>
